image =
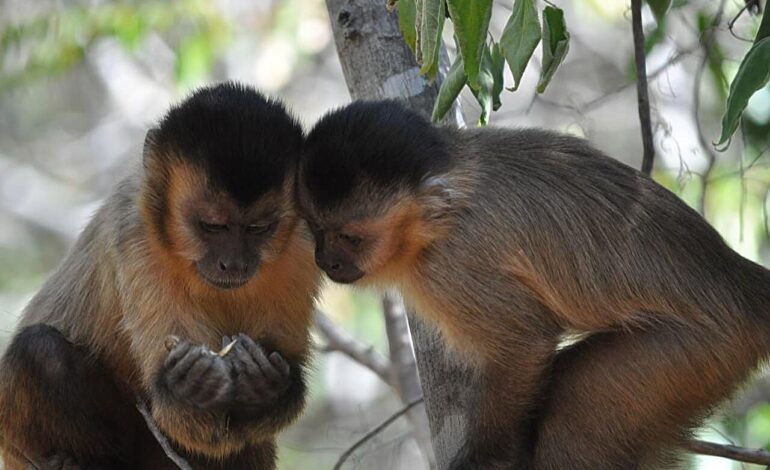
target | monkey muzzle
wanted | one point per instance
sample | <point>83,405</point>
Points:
<point>338,269</point>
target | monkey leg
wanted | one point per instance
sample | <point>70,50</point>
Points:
<point>623,400</point>
<point>58,404</point>
<point>501,427</point>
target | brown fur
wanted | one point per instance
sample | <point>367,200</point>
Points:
<point>123,291</point>
<point>525,237</point>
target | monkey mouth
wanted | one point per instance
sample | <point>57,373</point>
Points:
<point>225,284</point>
<point>347,277</point>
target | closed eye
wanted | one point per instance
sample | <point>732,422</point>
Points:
<point>350,239</point>
<point>213,228</point>
<point>256,229</point>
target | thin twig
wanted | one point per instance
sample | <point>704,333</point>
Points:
<point>707,42</point>
<point>170,452</point>
<point>22,456</point>
<point>378,429</point>
<point>643,97</point>
<point>750,5</point>
<point>339,340</point>
<point>728,451</point>
<point>746,168</point>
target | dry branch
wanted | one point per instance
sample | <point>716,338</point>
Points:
<point>339,340</point>
<point>158,434</point>
<point>728,451</point>
<point>376,430</point>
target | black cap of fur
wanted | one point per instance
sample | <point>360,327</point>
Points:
<point>246,143</point>
<point>381,140</point>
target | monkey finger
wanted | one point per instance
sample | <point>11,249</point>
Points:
<point>177,353</point>
<point>214,386</point>
<point>225,341</point>
<point>199,368</point>
<point>259,356</point>
<point>179,370</point>
<point>247,364</point>
<point>279,363</point>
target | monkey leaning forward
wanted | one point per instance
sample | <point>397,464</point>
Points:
<point>202,243</point>
<point>508,239</point>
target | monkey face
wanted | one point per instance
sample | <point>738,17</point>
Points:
<point>223,240</point>
<point>232,241</point>
<point>219,176</point>
<point>364,240</point>
<point>362,188</point>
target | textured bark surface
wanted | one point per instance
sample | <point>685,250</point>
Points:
<point>378,64</point>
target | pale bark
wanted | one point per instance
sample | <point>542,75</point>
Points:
<point>378,64</point>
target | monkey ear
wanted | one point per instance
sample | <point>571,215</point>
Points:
<point>149,145</point>
<point>438,198</point>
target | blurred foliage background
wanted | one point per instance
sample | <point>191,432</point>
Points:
<point>81,81</point>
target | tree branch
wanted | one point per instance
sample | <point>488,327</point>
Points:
<point>378,429</point>
<point>339,340</point>
<point>643,97</point>
<point>706,44</point>
<point>158,434</point>
<point>404,370</point>
<point>742,454</point>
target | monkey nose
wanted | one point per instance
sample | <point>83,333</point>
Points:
<point>233,266</point>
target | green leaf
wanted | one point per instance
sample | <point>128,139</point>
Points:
<point>407,12</point>
<point>498,73</point>
<point>432,24</point>
<point>555,44</point>
<point>485,93</point>
<point>520,37</point>
<point>659,8</point>
<point>753,74</point>
<point>451,87</point>
<point>471,22</point>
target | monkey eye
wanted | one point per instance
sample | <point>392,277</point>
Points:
<point>213,228</point>
<point>351,239</point>
<point>256,229</point>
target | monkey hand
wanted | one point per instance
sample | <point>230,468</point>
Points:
<point>260,378</point>
<point>195,375</point>
<point>66,462</point>
<point>59,462</point>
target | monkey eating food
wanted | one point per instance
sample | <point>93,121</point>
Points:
<point>200,248</point>
<point>508,240</point>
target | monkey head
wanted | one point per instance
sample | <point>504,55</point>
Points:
<point>371,188</point>
<point>219,176</point>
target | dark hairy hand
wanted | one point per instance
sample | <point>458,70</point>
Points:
<point>260,377</point>
<point>195,375</point>
<point>67,462</point>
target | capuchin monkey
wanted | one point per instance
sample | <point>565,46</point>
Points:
<point>507,240</point>
<point>200,247</point>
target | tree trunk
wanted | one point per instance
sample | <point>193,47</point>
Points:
<point>378,64</point>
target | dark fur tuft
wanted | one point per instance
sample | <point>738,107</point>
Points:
<point>384,141</point>
<point>245,142</point>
